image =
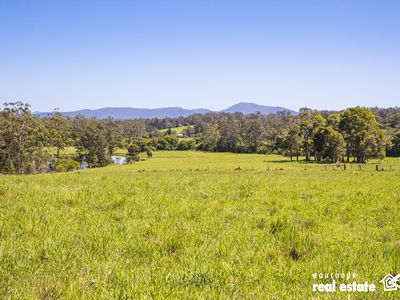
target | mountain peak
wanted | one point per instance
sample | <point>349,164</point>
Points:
<point>250,108</point>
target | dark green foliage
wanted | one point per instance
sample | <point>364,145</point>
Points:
<point>393,148</point>
<point>133,153</point>
<point>185,144</point>
<point>59,131</point>
<point>22,140</point>
<point>65,165</point>
<point>91,141</point>
<point>364,138</point>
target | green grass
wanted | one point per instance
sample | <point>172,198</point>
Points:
<point>176,130</point>
<point>197,225</point>
<point>70,151</point>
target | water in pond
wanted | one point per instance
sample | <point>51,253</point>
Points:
<point>118,160</point>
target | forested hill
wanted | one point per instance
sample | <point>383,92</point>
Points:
<point>124,113</point>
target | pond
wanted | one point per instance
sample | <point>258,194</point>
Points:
<point>84,165</point>
<point>118,160</point>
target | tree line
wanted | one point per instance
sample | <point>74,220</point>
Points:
<point>31,144</point>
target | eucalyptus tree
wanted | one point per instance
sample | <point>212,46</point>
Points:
<point>363,137</point>
<point>23,140</point>
<point>91,141</point>
<point>113,134</point>
<point>59,130</point>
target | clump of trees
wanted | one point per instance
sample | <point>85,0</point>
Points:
<point>364,138</point>
<point>134,149</point>
<point>22,140</point>
<point>355,134</point>
<point>351,134</point>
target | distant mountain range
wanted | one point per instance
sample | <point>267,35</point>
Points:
<point>121,113</point>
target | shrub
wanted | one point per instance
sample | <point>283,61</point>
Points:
<point>132,158</point>
<point>185,144</point>
<point>263,149</point>
<point>65,165</point>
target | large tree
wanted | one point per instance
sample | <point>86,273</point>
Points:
<point>113,135</point>
<point>59,131</point>
<point>90,141</point>
<point>207,140</point>
<point>328,144</point>
<point>251,132</point>
<point>228,135</point>
<point>291,141</point>
<point>363,137</point>
<point>310,122</point>
<point>23,140</point>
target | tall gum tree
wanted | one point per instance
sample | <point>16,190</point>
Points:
<point>363,137</point>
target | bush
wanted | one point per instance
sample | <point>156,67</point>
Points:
<point>103,162</point>
<point>133,150</point>
<point>185,144</point>
<point>65,165</point>
<point>263,149</point>
<point>132,158</point>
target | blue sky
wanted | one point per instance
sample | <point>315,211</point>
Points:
<point>326,54</point>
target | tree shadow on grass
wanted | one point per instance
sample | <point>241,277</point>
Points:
<point>305,162</point>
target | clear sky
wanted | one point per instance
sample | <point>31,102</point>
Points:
<point>325,54</point>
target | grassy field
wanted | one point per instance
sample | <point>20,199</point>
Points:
<point>198,225</point>
<point>176,130</point>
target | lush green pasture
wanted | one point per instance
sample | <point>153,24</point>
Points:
<point>197,225</point>
<point>177,130</point>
